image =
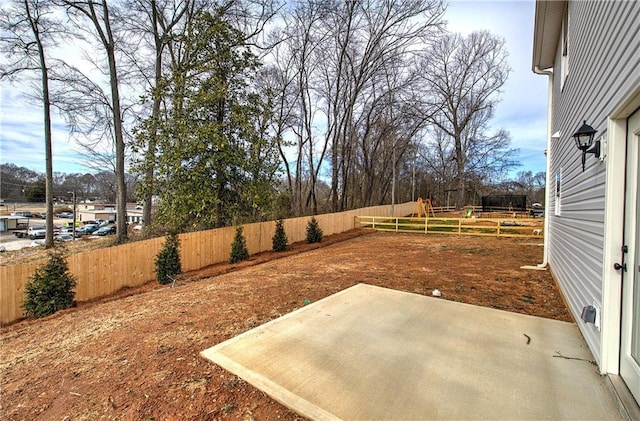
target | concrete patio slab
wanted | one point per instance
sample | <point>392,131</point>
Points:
<point>369,353</point>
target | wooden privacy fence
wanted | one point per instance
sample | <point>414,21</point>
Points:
<point>495,227</point>
<point>104,271</point>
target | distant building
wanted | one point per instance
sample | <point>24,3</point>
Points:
<point>95,211</point>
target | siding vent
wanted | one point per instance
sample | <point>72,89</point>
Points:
<point>591,314</point>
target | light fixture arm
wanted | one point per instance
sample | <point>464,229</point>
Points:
<point>595,149</point>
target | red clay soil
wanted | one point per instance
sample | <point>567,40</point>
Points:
<point>136,355</point>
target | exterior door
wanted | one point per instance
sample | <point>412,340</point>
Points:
<point>630,327</point>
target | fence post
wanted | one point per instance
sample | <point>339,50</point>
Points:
<point>459,226</point>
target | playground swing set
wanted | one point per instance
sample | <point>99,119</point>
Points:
<point>501,204</point>
<point>504,225</point>
<point>423,208</point>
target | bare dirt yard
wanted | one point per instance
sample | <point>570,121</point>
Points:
<point>136,355</point>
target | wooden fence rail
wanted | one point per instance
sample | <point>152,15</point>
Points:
<point>496,227</point>
<point>104,271</point>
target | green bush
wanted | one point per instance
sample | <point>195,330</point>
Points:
<point>314,233</point>
<point>280,240</point>
<point>168,263</point>
<point>51,287</point>
<point>239,251</point>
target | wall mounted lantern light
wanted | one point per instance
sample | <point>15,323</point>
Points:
<point>584,140</point>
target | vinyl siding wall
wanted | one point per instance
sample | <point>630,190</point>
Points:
<point>604,63</point>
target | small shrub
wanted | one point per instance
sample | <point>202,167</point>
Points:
<point>314,233</point>
<point>239,251</point>
<point>168,263</point>
<point>51,287</point>
<point>280,240</point>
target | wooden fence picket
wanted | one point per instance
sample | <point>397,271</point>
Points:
<point>102,272</point>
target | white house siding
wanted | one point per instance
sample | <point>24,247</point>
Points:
<point>604,65</point>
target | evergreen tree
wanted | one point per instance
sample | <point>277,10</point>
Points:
<point>314,233</point>
<point>168,263</point>
<point>216,159</point>
<point>239,251</point>
<point>37,192</point>
<point>51,287</point>
<point>280,240</point>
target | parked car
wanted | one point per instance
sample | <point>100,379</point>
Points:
<point>69,231</point>
<point>26,214</point>
<point>63,237</point>
<point>89,228</point>
<point>36,232</point>
<point>65,215</point>
<point>106,230</point>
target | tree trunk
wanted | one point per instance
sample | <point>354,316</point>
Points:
<point>48,242</point>
<point>460,158</point>
<point>121,186</point>
<point>150,155</point>
<point>47,129</point>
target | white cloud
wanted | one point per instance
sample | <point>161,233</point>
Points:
<point>22,135</point>
<point>22,121</point>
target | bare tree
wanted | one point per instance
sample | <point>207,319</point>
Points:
<point>14,180</point>
<point>339,56</point>
<point>296,61</point>
<point>370,38</point>
<point>155,24</point>
<point>28,27</point>
<point>388,130</point>
<point>527,183</point>
<point>280,83</point>
<point>463,77</point>
<point>99,16</point>
<point>437,156</point>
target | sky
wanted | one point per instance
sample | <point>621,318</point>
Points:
<point>522,111</point>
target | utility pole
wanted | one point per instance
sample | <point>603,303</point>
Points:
<point>393,181</point>
<point>73,229</point>
<point>393,135</point>
<point>413,175</point>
